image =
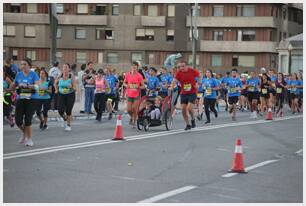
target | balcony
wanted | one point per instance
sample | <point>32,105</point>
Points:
<point>235,46</point>
<point>24,18</point>
<point>153,21</point>
<point>100,20</point>
<point>236,21</point>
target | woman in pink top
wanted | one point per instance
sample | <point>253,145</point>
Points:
<point>99,100</point>
<point>133,81</point>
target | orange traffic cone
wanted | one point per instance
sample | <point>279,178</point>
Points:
<point>118,131</point>
<point>238,165</point>
<point>269,115</point>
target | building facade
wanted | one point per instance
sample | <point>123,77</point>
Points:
<point>243,36</point>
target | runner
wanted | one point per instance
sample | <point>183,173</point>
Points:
<point>25,83</point>
<point>233,86</point>
<point>211,86</point>
<point>295,85</point>
<point>300,101</point>
<point>111,91</point>
<point>152,83</point>
<point>66,87</point>
<point>273,77</point>
<point>224,90</point>
<point>133,81</point>
<point>7,99</point>
<point>265,94</point>
<point>99,101</point>
<point>252,85</point>
<point>243,93</point>
<point>43,98</point>
<point>186,77</point>
<point>280,94</point>
<point>200,99</point>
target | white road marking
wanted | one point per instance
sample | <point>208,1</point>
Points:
<point>298,152</point>
<point>251,167</point>
<point>132,138</point>
<point>168,194</point>
<point>227,196</point>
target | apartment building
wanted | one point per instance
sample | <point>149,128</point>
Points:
<point>243,36</point>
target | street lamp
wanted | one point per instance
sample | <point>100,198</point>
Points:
<point>194,32</point>
<point>289,49</point>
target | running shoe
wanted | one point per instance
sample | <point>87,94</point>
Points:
<point>21,140</point>
<point>216,114</point>
<point>82,112</point>
<point>45,127</point>
<point>29,142</point>
<point>110,116</point>
<point>68,128</point>
<point>188,127</point>
<point>207,122</point>
<point>193,124</point>
<point>41,125</point>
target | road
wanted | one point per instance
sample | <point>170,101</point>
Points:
<point>85,165</point>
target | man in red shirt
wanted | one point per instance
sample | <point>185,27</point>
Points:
<point>186,77</point>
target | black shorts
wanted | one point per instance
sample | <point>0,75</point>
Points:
<point>272,91</point>
<point>133,99</point>
<point>24,111</point>
<point>293,95</point>
<point>188,98</point>
<point>253,95</point>
<point>233,100</point>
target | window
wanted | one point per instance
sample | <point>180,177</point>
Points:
<point>32,8</point>
<point>109,34</point>
<point>59,56</point>
<point>272,35</point>
<point>248,35</point>
<point>137,10</point>
<point>80,33</point>
<point>136,57</point>
<point>101,9</point>
<point>9,30</point>
<point>59,8</point>
<point>81,57</point>
<point>216,60</point>
<point>235,61</point>
<point>100,57</point>
<point>145,34</point>
<point>112,58</point>
<point>190,59</point>
<point>115,10</point>
<point>218,11</point>
<point>151,58</point>
<point>171,10</point>
<point>284,13</point>
<point>152,10</point>
<point>100,33</point>
<point>31,54</point>
<point>218,35</point>
<point>246,10</point>
<point>82,9</point>
<point>59,33</point>
<point>246,61</point>
<point>103,33</point>
<point>15,54</point>
<point>29,31</point>
<point>15,8</point>
<point>170,35</point>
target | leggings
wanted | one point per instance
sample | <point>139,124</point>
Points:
<point>209,104</point>
<point>66,102</point>
<point>25,109</point>
<point>99,103</point>
<point>43,105</point>
<point>279,102</point>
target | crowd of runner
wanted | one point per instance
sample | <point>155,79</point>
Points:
<point>28,90</point>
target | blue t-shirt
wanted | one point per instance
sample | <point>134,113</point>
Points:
<point>165,79</point>
<point>231,84</point>
<point>112,80</point>
<point>64,85</point>
<point>301,84</point>
<point>224,80</point>
<point>41,92</point>
<point>152,82</point>
<point>208,86</point>
<point>200,85</point>
<point>254,82</point>
<point>22,79</point>
<point>15,68</point>
<point>295,83</point>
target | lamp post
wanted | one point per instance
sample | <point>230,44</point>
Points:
<point>194,32</point>
<point>53,31</point>
<point>289,49</point>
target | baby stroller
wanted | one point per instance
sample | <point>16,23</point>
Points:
<point>144,121</point>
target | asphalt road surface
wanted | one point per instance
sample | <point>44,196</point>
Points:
<point>175,166</point>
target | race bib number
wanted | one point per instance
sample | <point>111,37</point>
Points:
<point>133,86</point>
<point>208,91</point>
<point>273,84</point>
<point>233,90</point>
<point>25,95</point>
<point>109,100</point>
<point>187,87</point>
<point>41,92</point>
<point>264,91</point>
<point>66,90</point>
<point>99,89</point>
<point>200,95</point>
<point>279,90</point>
<point>251,89</point>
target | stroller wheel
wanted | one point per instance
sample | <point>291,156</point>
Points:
<point>146,125</point>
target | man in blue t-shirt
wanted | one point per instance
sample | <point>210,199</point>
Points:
<point>224,90</point>
<point>152,83</point>
<point>252,85</point>
<point>234,86</point>
<point>111,91</point>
